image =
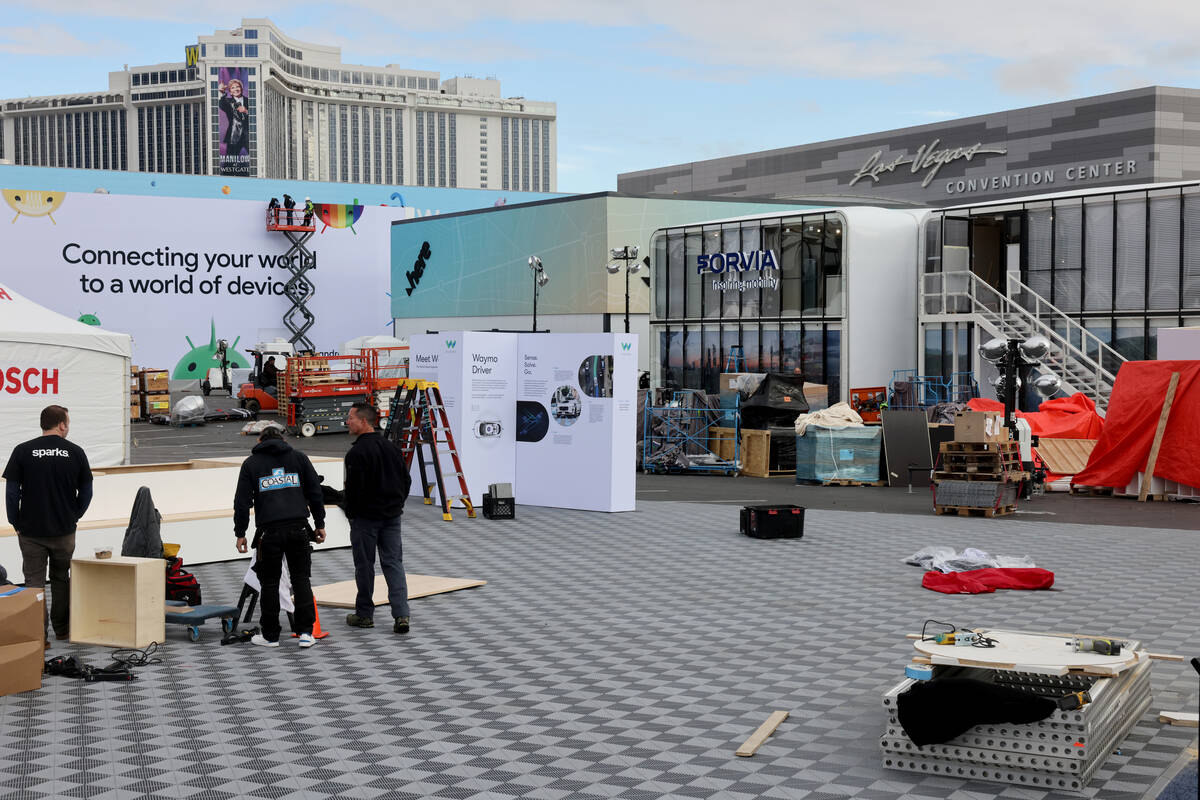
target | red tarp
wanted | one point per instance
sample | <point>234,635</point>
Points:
<point>1071,417</point>
<point>982,581</point>
<point>1132,419</point>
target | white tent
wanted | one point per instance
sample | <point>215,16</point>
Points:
<point>49,359</point>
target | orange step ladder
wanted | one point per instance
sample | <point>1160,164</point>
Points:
<point>417,420</point>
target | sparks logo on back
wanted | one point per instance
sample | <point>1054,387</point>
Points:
<point>450,343</point>
<point>278,479</point>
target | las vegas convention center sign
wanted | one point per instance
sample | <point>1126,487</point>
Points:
<point>929,159</point>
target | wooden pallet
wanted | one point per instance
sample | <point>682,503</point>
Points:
<point>1093,491</point>
<point>974,511</point>
<point>979,447</point>
<point>847,482</point>
<point>1008,476</point>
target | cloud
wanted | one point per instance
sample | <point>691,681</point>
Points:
<point>51,40</point>
<point>141,10</point>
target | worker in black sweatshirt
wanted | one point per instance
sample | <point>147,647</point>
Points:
<point>282,486</point>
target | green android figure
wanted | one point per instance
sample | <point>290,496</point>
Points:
<point>196,363</point>
<point>89,319</point>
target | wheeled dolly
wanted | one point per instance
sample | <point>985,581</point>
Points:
<point>193,617</point>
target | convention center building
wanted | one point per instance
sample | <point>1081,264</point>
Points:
<point>1079,220</point>
<point>254,102</point>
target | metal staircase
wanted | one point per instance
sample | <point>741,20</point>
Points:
<point>1083,362</point>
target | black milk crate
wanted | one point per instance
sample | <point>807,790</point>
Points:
<point>499,507</point>
<point>773,522</point>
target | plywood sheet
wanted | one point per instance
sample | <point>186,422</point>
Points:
<point>342,594</point>
<point>1065,456</point>
<point>1027,652</point>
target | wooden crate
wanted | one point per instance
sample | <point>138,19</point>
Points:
<point>753,451</point>
<point>756,453</point>
<point>155,404</point>
<point>154,381</point>
<point>118,601</point>
<point>720,441</point>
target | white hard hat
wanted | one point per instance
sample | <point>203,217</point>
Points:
<point>307,199</point>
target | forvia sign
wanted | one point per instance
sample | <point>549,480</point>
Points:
<point>928,158</point>
<point>724,265</point>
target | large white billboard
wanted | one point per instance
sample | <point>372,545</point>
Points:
<point>179,273</point>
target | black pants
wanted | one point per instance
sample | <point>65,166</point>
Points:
<point>57,551</point>
<point>291,542</point>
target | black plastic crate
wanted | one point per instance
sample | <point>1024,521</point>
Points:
<point>773,522</point>
<point>499,507</point>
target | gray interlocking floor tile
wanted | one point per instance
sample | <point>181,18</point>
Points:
<point>609,656</point>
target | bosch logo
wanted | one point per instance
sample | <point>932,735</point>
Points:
<point>29,380</point>
<point>51,452</point>
<point>278,479</point>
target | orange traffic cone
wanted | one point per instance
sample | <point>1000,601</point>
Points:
<point>317,632</point>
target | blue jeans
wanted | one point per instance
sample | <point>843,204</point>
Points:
<point>367,536</point>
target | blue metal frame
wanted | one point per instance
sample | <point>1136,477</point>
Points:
<point>930,390</point>
<point>679,423</point>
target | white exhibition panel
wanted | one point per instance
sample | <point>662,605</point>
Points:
<point>476,376</point>
<point>49,359</point>
<point>1179,344</point>
<point>577,411</point>
<point>881,247</point>
<point>202,491</point>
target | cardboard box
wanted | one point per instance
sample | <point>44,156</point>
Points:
<point>980,426</point>
<point>135,411</point>
<point>22,639</point>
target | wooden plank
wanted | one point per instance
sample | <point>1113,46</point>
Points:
<point>1065,456</point>
<point>1182,719</point>
<point>759,736</point>
<point>1158,437</point>
<point>343,593</point>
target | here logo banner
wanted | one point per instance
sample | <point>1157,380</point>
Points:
<point>414,275</point>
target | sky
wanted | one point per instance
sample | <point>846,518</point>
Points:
<point>659,82</point>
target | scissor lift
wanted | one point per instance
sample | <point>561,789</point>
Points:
<point>298,228</point>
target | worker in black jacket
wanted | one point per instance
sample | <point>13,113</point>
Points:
<point>282,486</point>
<point>376,485</point>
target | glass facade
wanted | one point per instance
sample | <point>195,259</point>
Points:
<point>1122,264</point>
<point>771,286</point>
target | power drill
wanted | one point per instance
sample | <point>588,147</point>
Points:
<point>241,636</point>
<point>1074,700</point>
<point>1104,647</point>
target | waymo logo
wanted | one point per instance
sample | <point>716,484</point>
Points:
<point>450,343</point>
<point>626,345</point>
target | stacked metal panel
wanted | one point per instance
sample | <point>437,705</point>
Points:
<point>1061,752</point>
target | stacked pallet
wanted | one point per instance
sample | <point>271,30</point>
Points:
<point>149,393</point>
<point>1060,752</point>
<point>978,478</point>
